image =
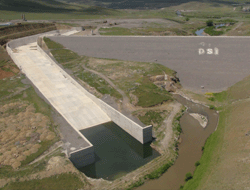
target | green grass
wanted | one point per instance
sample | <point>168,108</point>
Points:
<point>64,55</point>
<point>62,181</point>
<point>212,32</point>
<point>151,116</point>
<point>116,31</point>
<point>221,96</point>
<point>99,84</point>
<point>70,24</point>
<point>149,94</point>
<point>142,31</point>
<point>136,184</point>
<point>8,85</point>
<point>51,44</point>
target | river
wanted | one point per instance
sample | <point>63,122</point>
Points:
<point>193,138</point>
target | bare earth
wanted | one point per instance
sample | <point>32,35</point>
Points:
<point>201,118</point>
<point>167,123</point>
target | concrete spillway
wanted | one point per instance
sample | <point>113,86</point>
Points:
<point>79,108</point>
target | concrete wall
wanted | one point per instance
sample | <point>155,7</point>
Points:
<point>83,157</point>
<point>142,134</point>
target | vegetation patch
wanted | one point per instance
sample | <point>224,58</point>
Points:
<point>136,184</point>
<point>158,172</point>
<point>18,31</point>
<point>98,83</point>
<point>150,95</point>
<point>62,181</point>
<point>64,55</point>
<point>116,31</point>
<point>212,32</point>
<point>51,44</point>
<point>152,117</point>
<point>188,176</point>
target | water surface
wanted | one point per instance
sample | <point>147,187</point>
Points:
<point>116,152</point>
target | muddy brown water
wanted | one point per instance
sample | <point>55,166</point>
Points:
<point>193,138</point>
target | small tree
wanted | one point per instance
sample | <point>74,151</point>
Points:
<point>187,19</point>
<point>197,163</point>
<point>210,23</point>
<point>188,176</point>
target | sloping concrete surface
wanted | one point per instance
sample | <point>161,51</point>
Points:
<point>79,110</point>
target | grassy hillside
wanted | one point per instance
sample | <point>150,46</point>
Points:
<point>137,4</point>
<point>68,9</point>
<point>87,9</point>
<point>225,160</point>
<point>33,6</point>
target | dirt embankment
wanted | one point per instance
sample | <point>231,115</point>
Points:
<point>22,30</point>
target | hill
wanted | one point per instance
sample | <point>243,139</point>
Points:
<point>146,4</point>
<point>34,6</point>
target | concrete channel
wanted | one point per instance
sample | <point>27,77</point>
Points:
<point>78,107</point>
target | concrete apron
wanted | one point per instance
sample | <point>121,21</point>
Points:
<point>79,108</point>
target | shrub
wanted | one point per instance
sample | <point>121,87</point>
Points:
<point>197,163</point>
<point>212,107</point>
<point>188,176</point>
<point>187,19</point>
<point>157,173</point>
<point>179,128</point>
<point>211,98</point>
<point>136,184</point>
<point>210,23</point>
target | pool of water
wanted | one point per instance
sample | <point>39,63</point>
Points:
<point>116,152</point>
<point>219,25</point>
<point>200,32</point>
<point>193,137</point>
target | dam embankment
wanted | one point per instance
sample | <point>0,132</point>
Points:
<point>79,108</point>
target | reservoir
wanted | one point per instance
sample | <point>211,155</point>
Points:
<point>116,152</point>
<point>192,140</point>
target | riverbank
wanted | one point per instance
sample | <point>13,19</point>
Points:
<point>226,154</point>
